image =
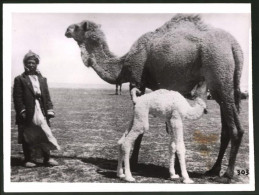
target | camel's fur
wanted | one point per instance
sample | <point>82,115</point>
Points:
<point>176,57</point>
<point>172,107</point>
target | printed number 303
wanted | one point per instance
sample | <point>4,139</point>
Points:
<point>243,172</point>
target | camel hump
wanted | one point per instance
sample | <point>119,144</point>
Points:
<point>187,20</point>
<point>194,18</point>
<point>141,43</point>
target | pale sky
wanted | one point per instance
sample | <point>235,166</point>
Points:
<point>43,33</point>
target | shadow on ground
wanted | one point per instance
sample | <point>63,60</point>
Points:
<point>16,161</point>
<point>108,169</point>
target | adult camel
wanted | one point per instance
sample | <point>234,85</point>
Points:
<point>175,56</point>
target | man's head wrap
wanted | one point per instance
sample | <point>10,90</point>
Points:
<point>31,56</point>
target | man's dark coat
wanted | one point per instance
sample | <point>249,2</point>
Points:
<point>24,98</point>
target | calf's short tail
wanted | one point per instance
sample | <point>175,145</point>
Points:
<point>134,93</point>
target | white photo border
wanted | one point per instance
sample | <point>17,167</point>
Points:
<point>8,9</point>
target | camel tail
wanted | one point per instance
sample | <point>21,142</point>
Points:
<point>238,57</point>
<point>134,92</point>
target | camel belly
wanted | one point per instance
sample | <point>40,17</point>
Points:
<point>174,66</point>
<point>177,82</point>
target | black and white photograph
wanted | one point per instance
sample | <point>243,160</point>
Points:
<point>127,97</point>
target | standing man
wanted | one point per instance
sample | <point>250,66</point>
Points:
<point>34,108</point>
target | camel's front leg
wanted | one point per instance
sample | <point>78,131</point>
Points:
<point>176,161</point>
<point>120,88</point>
<point>172,150</point>
<point>177,127</point>
<point>181,153</point>
<point>116,89</point>
<point>120,173</point>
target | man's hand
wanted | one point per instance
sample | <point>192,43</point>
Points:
<point>23,115</point>
<point>50,114</point>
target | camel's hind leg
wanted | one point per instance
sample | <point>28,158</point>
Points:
<point>222,65</point>
<point>236,134</point>
<point>224,141</point>
<point>222,89</point>
<point>232,130</point>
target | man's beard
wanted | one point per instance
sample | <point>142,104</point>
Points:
<point>30,70</point>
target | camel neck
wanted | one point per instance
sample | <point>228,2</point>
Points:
<point>105,64</point>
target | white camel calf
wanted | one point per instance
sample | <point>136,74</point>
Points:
<point>173,107</point>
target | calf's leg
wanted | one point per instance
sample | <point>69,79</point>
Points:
<point>177,126</point>
<point>120,173</point>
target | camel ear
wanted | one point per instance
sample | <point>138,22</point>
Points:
<point>85,26</point>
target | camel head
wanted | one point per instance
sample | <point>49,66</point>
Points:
<point>89,38</point>
<point>86,32</point>
<point>199,92</point>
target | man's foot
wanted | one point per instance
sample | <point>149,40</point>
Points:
<point>29,164</point>
<point>51,162</point>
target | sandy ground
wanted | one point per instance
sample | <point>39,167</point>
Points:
<point>88,124</point>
